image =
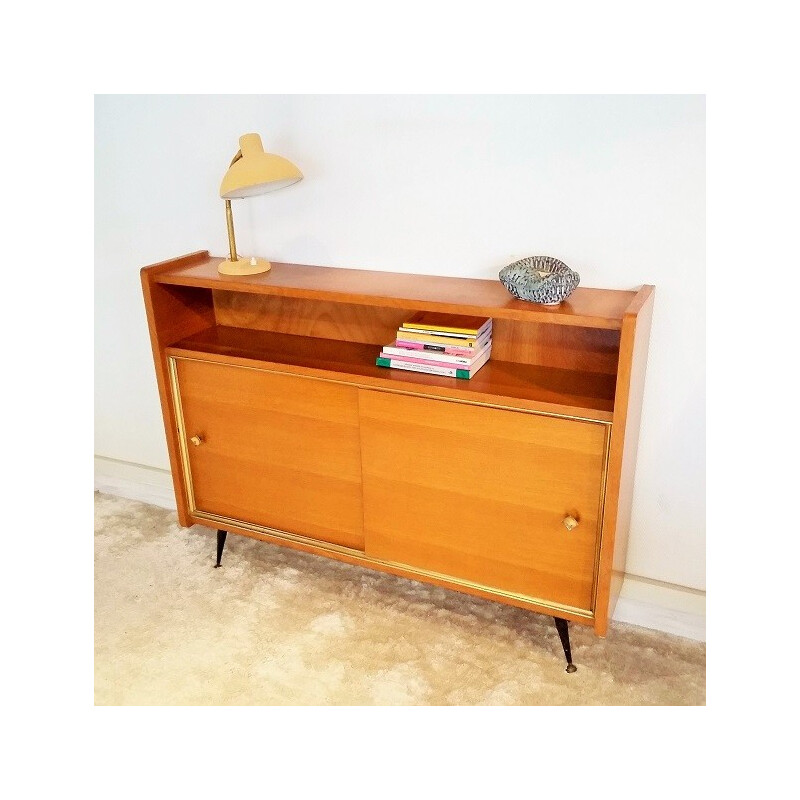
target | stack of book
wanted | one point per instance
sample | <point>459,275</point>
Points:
<point>453,345</point>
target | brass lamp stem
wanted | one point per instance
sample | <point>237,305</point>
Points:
<point>229,217</point>
<point>231,239</point>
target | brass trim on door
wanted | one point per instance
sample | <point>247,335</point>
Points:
<point>176,399</point>
<point>358,555</point>
<point>601,510</point>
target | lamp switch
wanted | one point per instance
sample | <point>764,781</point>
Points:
<point>253,261</point>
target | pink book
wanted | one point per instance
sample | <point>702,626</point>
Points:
<point>434,367</point>
<point>425,361</point>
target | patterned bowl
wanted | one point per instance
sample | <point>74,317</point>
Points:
<point>540,279</point>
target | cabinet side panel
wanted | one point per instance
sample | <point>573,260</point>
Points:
<point>173,312</point>
<point>634,346</point>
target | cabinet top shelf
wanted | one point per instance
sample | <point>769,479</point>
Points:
<point>591,308</point>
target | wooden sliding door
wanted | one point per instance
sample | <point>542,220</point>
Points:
<point>270,449</point>
<point>482,494</point>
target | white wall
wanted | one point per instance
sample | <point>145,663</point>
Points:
<point>451,185</point>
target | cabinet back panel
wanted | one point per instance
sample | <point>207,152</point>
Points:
<point>561,346</point>
<point>318,318</point>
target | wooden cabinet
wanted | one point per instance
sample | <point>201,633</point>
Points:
<point>514,485</point>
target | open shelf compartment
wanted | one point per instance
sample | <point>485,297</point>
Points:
<point>526,386</point>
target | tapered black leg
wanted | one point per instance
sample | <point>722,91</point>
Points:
<point>562,626</point>
<point>221,536</point>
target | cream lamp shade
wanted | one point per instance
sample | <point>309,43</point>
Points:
<point>252,172</point>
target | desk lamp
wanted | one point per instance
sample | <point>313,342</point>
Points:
<point>252,172</point>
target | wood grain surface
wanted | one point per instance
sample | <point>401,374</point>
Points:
<point>481,494</point>
<point>321,319</point>
<point>276,450</point>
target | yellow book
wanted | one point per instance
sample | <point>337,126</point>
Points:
<point>472,342</point>
<point>447,323</point>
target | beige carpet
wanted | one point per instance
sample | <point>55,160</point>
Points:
<point>275,626</point>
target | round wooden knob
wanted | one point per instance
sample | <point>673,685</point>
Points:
<point>570,523</point>
<point>196,440</point>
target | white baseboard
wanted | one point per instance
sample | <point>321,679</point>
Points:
<point>666,619</point>
<point>134,482</point>
<point>659,606</point>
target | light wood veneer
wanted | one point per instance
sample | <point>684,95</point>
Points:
<point>481,494</point>
<point>273,449</point>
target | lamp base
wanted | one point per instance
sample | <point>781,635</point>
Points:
<point>244,266</point>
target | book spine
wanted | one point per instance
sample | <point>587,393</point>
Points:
<point>447,372</point>
<point>479,362</point>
